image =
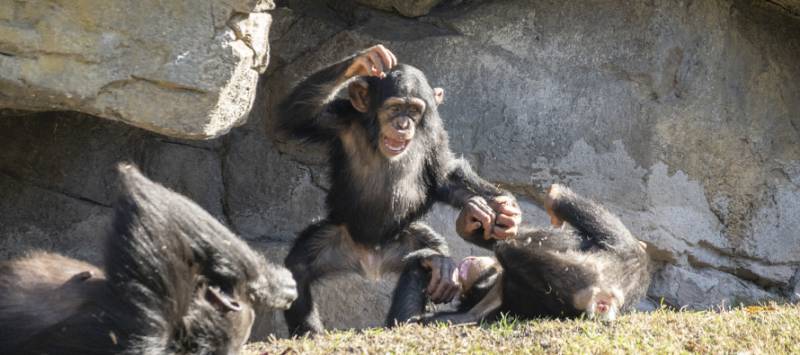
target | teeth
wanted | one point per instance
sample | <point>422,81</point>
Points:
<point>393,145</point>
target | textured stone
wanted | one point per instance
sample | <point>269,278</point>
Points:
<point>410,8</point>
<point>680,117</point>
<point>620,103</point>
<point>703,289</point>
<point>174,67</point>
<point>790,6</point>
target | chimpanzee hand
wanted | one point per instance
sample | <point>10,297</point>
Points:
<point>475,214</point>
<point>444,286</point>
<point>373,61</point>
<point>507,218</point>
<point>499,218</point>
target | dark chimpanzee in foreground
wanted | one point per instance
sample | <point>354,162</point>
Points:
<point>390,161</point>
<point>595,268</point>
<point>175,281</point>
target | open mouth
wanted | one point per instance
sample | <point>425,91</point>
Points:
<point>463,269</point>
<point>394,146</point>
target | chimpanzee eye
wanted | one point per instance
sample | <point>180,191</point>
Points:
<point>394,109</point>
<point>414,110</point>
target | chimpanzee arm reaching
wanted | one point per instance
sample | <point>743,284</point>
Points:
<point>311,111</point>
<point>487,212</point>
<point>433,256</point>
<point>589,218</point>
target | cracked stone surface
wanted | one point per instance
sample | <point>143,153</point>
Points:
<point>790,6</point>
<point>683,119</point>
<point>409,8</point>
<point>178,68</point>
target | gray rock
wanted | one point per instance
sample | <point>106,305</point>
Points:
<point>646,305</point>
<point>704,289</point>
<point>790,6</point>
<point>38,218</point>
<point>680,119</point>
<point>541,93</point>
<point>410,8</point>
<point>180,69</point>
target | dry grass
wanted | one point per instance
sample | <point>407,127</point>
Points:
<point>755,329</point>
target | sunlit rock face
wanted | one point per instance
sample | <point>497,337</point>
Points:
<point>680,117</point>
<point>180,68</point>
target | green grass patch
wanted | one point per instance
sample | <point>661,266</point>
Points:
<point>756,329</point>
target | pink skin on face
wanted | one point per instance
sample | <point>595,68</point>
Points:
<point>471,268</point>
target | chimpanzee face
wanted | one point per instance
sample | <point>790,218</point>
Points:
<point>399,103</point>
<point>474,270</point>
<point>398,118</point>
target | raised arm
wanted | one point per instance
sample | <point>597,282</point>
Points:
<point>487,213</point>
<point>592,220</point>
<point>311,111</point>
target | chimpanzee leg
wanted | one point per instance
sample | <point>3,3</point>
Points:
<point>417,242</point>
<point>408,298</point>
<point>591,219</point>
<point>321,249</point>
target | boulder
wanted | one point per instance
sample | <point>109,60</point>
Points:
<point>182,69</point>
<point>687,288</point>
<point>683,120</point>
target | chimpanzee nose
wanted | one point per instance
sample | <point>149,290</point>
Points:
<point>402,123</point>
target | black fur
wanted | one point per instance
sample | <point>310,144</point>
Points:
<point>539,279</point>
<point>375,200</point>
<point>163,255</point>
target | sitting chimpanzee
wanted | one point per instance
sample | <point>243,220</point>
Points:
<point>595,268</point>
<point>390,161</point>
<point>175,281</point>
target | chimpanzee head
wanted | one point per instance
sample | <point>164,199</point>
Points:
<point>477,275</point>
<point>397,106</point>
<point>194,281</point>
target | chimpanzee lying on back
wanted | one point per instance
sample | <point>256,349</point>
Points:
<point>175,281</point>
<point>597,268</point>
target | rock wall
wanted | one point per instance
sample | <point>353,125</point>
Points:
<point>682,117</point>
<point>181,68</point>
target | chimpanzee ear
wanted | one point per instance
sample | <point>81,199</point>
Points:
<point>438,95</point>
<point>359,95</point>
<point>221,300</point>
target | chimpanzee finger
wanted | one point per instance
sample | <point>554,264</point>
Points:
<point>482,216</point>
<point>505,205</point>
<point>474,226</point>
<point>503,199</point>
<point>454,293</point>
<point>487,208</point>
<point>453,289</point>
<point>376,64</point>
<point>361,66</point>
<point>505,221</point>
<point>480,212</point>
<point>385,57</point>
<point>509,209</point>
<point>487,224</point>
<point>503,233</point>
<point>394,59</point>
<point>438,296</point>
<point>435,277</point>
